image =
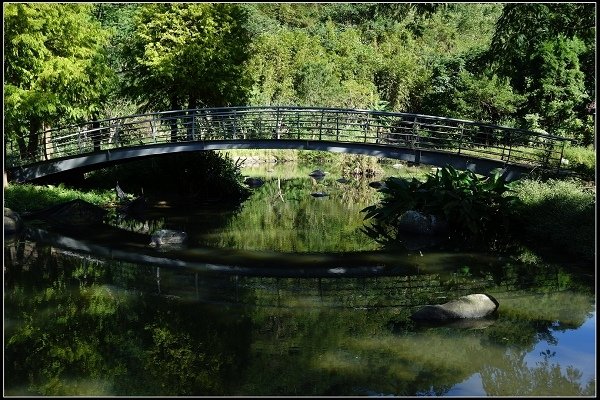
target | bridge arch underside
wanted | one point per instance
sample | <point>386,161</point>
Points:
<point>104,158</point>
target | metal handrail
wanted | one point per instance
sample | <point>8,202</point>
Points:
<point>394,129</point>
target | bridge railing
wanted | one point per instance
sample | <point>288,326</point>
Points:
<point>411,131</point>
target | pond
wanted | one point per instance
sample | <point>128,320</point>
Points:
<point>284,296</point>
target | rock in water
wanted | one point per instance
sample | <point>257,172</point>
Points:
<point>415,222</point>
<point>12,222</point>
<point>377,185</point>
<point>254,182</point>
<point>167,237</point>
<point>477,305</point>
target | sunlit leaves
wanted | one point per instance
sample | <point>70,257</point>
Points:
<point>55,70</point>
<point>187,55</point>
<point>545,50</point>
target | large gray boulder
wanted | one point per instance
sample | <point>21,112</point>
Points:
<point>416,222</point>
<point>12,222</point>
<point>477,305</point>
<point>167,238</point>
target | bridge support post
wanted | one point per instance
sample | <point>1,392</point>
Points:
<point>417,157</point>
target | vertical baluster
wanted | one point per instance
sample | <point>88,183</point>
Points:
<point>277,123</point>
<point>337,126</point>
<point>321,125</point>
<point>298,123</point>
<point>153,129</point>
<point>510,140</point>
<point>460,137</point>
<point>562,153</point>
<point>194,125</point>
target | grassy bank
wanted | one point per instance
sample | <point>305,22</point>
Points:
<point>29,197</point>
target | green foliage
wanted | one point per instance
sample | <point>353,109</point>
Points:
<point>312,158</point>
<point>55,68</point>
<point>545,50</point>
<point>557,88</point>
<point>459,93</point>
<point>29,197</point>
<point>497,63</point>
<point>187,55</point>
<point>330,69</point>
<point>476,209</point>
<point>581,160</point>
<point>556,214</point>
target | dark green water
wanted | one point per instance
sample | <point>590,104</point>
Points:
<point>284,297</point>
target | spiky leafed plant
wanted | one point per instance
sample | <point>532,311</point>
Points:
<point>475,208</point>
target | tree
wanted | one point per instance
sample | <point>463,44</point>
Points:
<point>55,69</point>
<point>546,51</point>
<point>187,55</point>
<point>330,67</point>
<point>461,91</point>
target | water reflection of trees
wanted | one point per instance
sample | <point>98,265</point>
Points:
<point>513,377</point>
<point>73,331</point>
<point>283,216</point>
<point>83,326</point>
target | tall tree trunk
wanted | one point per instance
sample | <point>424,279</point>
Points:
<point>174,106</point>
<point>33,143</point>
<point>22,147</point>
<point>97,133</point>
<point>190,118</point>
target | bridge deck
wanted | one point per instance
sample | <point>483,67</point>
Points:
<point>418,138</point>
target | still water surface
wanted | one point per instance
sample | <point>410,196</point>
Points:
<point>284,296</point>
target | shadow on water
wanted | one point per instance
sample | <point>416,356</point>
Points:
<point>122,245</point>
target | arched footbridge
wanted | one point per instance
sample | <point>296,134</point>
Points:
<point>430,140</point>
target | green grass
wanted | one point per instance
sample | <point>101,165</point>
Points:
<point>28,197</point>
<point>581,160</point>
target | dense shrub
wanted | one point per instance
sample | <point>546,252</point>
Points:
<point>556,214</point>
<point>581,160</point>
<point>200,175</point>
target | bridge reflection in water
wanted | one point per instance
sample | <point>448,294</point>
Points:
<point>416,138</point>
<point>368,279</point>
